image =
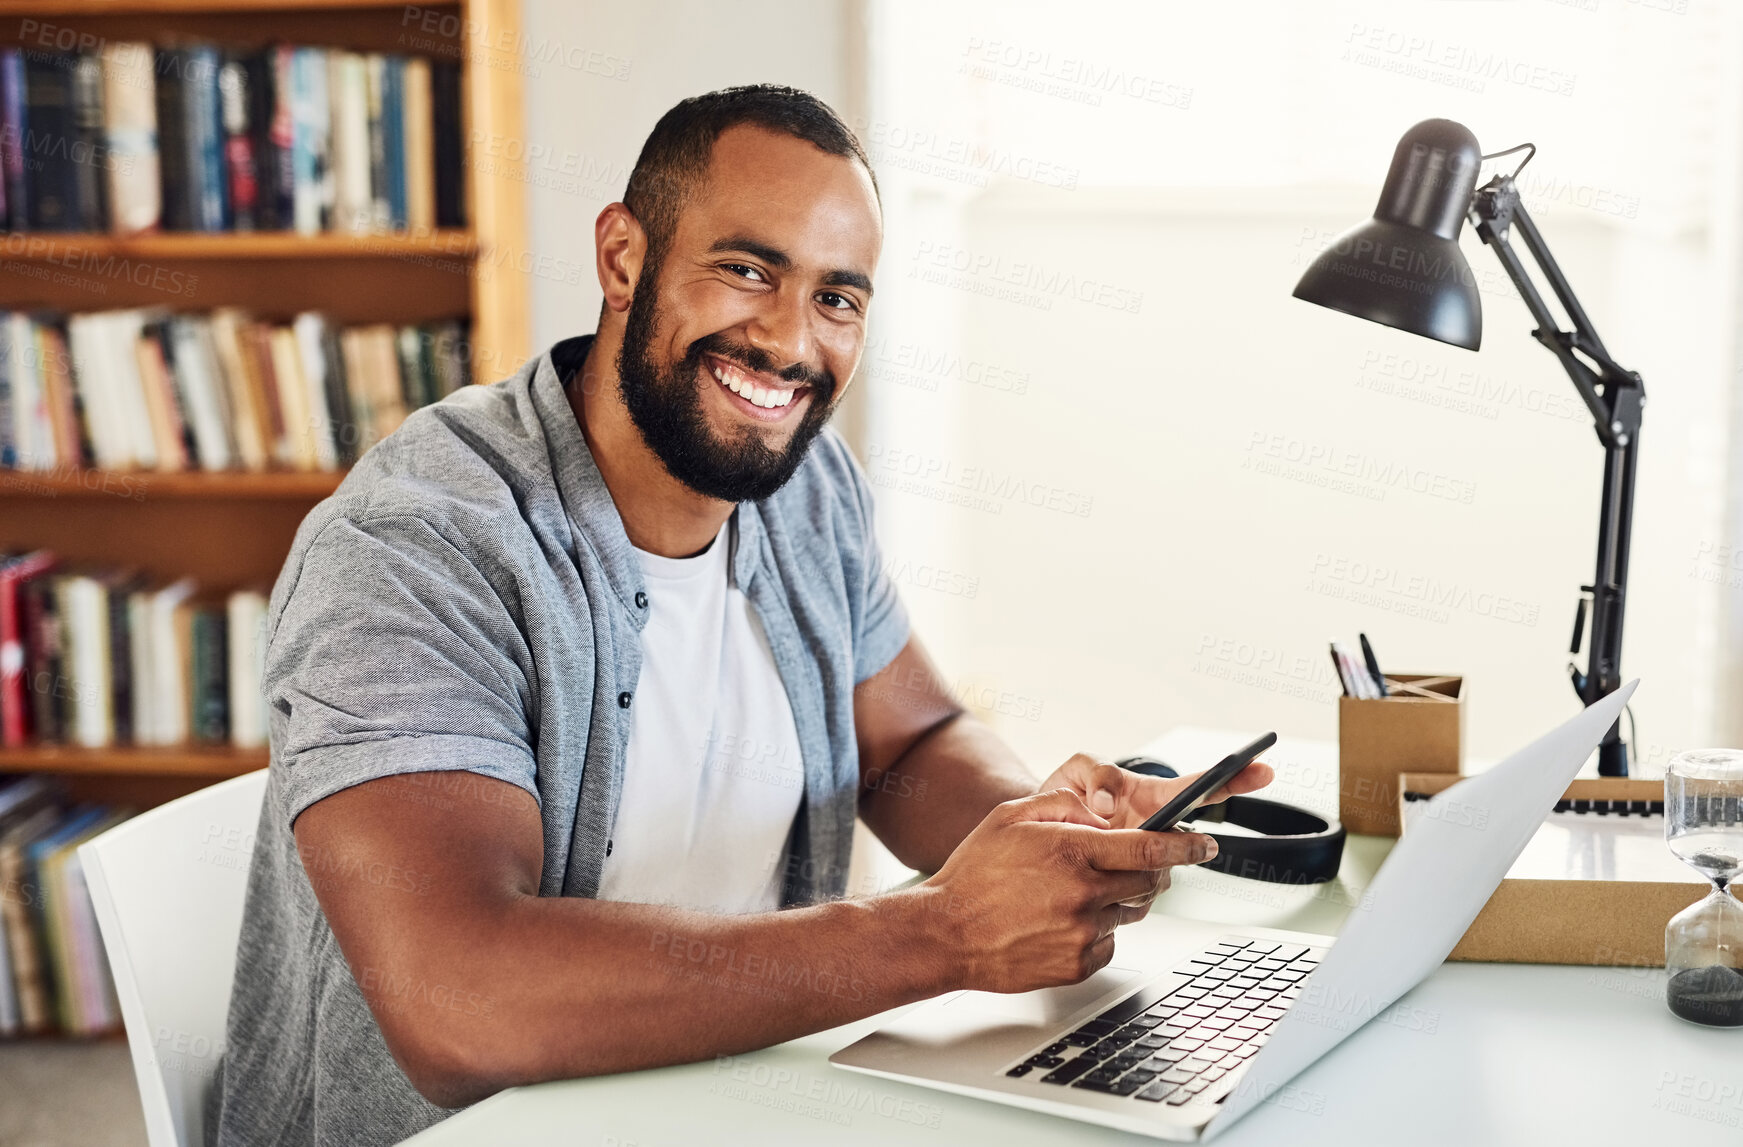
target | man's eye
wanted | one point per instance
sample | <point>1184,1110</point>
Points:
<point>744,270</point>
<point>837,302</point>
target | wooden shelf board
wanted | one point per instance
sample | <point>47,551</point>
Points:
<point>174,7</point>
<point>134,760</point>
<point>145,485</point>
<point>57,1037</point>
<point>58,247</point>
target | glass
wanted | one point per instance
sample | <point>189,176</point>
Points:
<point>1703,944</point>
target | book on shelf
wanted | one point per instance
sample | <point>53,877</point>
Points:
<point>101,656</point>
<point>51,202</point>
<point>13,701</point>
<point>348,103</point>
<point>11,141</point>
<point>450,158</point>
<point>146,389</point>
<point>130,128</point>
<point>241,172</point>
<point>194,136</point>
<point>54,973</point>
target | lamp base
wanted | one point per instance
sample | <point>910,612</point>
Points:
<point>1613,754</point>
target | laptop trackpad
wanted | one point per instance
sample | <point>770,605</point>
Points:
<point>976,1032</point>
<point>1044,1008</point>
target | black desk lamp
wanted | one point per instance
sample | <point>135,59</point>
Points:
<point>1403,268</point>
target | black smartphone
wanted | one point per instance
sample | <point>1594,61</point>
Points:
<point>1208,782</point>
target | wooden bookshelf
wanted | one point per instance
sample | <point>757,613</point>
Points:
<point>233,529</point>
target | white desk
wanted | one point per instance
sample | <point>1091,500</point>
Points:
<point>1481,1053</point>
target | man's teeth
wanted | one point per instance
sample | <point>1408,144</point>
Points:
<point>763,396</point>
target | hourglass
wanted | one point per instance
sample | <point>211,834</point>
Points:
<point>1703,944</point>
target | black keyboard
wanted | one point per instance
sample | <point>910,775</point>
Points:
<point>1167,1043</point>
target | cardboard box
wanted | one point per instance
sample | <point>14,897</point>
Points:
<point>1418,728</point>
<point>1590,888</point>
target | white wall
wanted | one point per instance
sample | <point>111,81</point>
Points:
<point>1204,545</point>
<point>1205,578</point>
<point>641,59</point>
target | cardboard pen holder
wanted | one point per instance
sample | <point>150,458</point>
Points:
<point>1418,728</point>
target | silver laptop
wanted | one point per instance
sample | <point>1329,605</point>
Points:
<point>1200,1022</point>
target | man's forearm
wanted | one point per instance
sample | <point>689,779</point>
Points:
<point>924,804</point>
<point>561,987</point>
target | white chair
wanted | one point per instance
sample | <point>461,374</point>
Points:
<point>168,887</point>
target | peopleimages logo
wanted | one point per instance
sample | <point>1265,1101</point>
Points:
<point>1464,390</point>
<point>1072,78</point>
<point>1448,62</point>
<point>923,367</point>
<point>1370,583</point>
<point>958,159</point>
<point>719,960</point>
<point>95,265</point>
<point>915,688</point>
<point>978,487</point>
<point>986,272</point>
<point>1363,474</point>
<point>924,575</point>
<point>831,1099</point>
<point>1395,265</point>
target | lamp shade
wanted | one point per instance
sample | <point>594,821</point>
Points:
<point>1403,267</point>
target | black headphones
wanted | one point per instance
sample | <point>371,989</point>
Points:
<point>1297,846</point>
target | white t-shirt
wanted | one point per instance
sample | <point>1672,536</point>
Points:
<point>713,777</point>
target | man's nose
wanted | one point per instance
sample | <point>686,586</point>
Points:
<point>782,330</point>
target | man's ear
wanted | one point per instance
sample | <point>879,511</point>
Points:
<point>620,247</point>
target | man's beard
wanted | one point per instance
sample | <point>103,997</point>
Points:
<point>667,409</point>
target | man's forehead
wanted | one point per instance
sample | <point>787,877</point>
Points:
<point>788,193</point>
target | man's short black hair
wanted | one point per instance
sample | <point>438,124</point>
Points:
<point>677,152</point>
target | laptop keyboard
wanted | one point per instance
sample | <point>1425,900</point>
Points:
<point>1166,1044</point>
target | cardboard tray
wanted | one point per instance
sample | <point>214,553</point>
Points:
<point>1590,888</point>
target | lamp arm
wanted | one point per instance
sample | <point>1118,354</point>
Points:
<point>1584,334</point>
<point>1612,394</point>
<point>1615,397</point>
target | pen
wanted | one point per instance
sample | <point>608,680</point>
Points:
<point>1360,688</point>
<point>1373,665</point>
<point>1338,665</point>
<point>1363,685</point>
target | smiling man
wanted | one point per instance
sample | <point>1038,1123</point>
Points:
<point>579,682</point>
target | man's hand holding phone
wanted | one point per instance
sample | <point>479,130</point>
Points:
<point>1036,890</point>
<point>1134,800</point>
<point>1127,799</point>
<point>1032,897</point>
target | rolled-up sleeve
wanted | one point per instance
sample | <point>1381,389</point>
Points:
<point>394,653</point>
<point>883,621</point>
